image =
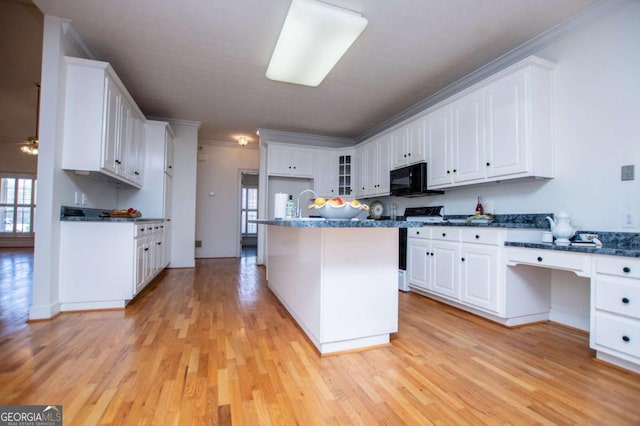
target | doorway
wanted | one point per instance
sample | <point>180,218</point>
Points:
<point>248,211</point>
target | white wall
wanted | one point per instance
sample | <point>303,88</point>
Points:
<point>218,216</point>
<point>183,209</point>
<point>596,116</point>
<point>596,107</point>
<point>55,186</point>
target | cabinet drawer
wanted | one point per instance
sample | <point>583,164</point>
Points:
<point>419,233</point>
<point>618,333</point>
<point>576,262</point>
<point>618,296</point>
<point>622,267</point>
<point>445,234</point>
<point>482,236</point>
<point>141,230</point>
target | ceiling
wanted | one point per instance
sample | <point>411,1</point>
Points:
<point>205,60</point>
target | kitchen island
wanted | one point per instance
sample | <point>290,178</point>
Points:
<point>337,278</point>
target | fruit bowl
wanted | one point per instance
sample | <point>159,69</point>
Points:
<point>338,208</point>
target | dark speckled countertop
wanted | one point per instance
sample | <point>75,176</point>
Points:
<point>613,244</point>
<point>75,214</point>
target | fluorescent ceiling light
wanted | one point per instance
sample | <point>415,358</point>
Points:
<point>314,37</point>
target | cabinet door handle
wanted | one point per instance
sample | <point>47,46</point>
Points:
<point>539,259</point>
<point>417,232</point>
<point>405,156</point>
<point>444,234</point>
<point>448,172</point>
<point>626,339</point>
<point>433,254</point>
<point>146,249</point>
<point>409,154</point>
<point>488,164</point>
<point>159,242</point>
<point>462,259</point>
<point>626,269</point>
<point>477,237</point>
<point>136,173</point>
<point>171,167</point>
<point>455,170</point>
<point>626,300</point>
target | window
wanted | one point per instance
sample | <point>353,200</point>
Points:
<point>249,211</point>
<point>17,205</point>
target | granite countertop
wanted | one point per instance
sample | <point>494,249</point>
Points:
<point>74,214</point>
<point>522,221</point>
<point>338,223</point>
<point>613,244</point>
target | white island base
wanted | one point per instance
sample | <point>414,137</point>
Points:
<point>339,284</point>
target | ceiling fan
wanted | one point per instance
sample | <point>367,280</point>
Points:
<point>32,143</point>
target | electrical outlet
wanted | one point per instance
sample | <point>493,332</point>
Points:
<point>628,220</point>
<point>627,172</point>
<point>76,198</point>
<point>84,199</point>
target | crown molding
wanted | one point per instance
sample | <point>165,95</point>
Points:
<point>588,16</point>
<point>75,38</point>
<point>267,136</point>
<point>228,144</point>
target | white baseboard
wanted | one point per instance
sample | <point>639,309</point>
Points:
<point>40,312</point>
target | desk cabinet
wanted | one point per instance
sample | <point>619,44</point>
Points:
<point>615,310</point>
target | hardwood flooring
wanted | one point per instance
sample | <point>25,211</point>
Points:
<point>212,345</point>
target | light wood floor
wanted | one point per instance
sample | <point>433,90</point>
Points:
<point>213,346</point>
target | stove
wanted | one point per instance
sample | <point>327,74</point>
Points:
<point>431,214</point>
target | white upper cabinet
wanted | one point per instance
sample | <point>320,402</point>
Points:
<point>407,144</point>
<point>497,129</point>
<point>332,172</point>
<point>519,132</point>
<point>438,140</point>
<point>372,168</point>
<point>325,179</point>
<point>290,161</point>
<point>101,123</point>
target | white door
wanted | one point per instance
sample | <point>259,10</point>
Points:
<point>438,141</point>
<point>468,138</point>
<point>506,126</point>
<point>418,263</point>
<point>445,268</point>
<point>478,276</point>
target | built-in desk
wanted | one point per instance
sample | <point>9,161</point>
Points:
<point>614,274</point>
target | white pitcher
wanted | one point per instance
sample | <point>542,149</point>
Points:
<point>561,228</point>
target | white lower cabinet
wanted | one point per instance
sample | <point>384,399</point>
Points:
<point>462,266</point>
<point>418,258</point>
<point>105,264</point>
<point>615,310</point>
<point>479,268</point>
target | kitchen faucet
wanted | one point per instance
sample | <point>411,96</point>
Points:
<point>298,208</point>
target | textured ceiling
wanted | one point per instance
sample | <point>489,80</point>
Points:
<point>205,60</point>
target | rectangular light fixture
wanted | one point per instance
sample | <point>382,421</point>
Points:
<point>314,37</point>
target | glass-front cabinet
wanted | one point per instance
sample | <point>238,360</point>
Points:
<point>344,174</point>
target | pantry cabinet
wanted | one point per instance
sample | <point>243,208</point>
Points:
<point>154,199</point>
<point>290,161</point>
<point>102,124</point>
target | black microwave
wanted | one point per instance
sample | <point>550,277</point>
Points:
<point>410,181</point>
